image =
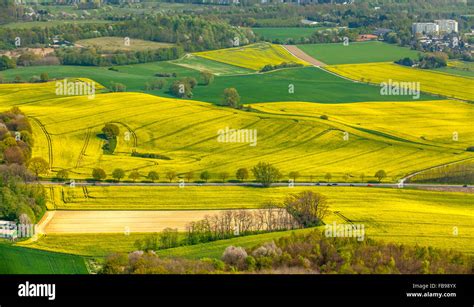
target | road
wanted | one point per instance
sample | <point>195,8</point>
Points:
<point>251,184</point>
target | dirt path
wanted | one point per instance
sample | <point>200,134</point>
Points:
<point>45,220</point>
<point>121,221</point>
<point>297,52</point>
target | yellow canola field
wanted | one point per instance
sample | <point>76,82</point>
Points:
<point>254,56</point>
<point>67,134</point>
<point>430,82</point>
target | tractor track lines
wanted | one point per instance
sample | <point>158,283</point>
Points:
<point>84,148</point>
<point>48,138</point>
<point>134,135</point>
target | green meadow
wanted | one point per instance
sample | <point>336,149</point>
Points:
<point>359,52</point>
<point>294,84</point>
<point>20,260</point>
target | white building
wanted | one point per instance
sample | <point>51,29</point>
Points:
<point>425,28</point>
<point>8,230</point>
<point>447,25</point>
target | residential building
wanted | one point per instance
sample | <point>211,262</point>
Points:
<point>447,25</point>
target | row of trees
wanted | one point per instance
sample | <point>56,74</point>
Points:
<point>265,173</point>
<point>302,210</point>
<point>90,56</point>
<point>426,61</point>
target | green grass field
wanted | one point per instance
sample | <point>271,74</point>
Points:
<point>285,33</point>
<point>310,84</point>
<point>216,248</point>
<point>100,245</point>
<point>20,260</point>
<point>133,76</point>
<point>97,244</point>
<point>459,68</point>
<point>360,52</point>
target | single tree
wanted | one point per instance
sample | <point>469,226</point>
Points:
<point>118,174</point>
<point>231,97</point>
<point>205,176</point>
<point>153,176</point>
<point>328,176</point>
<point>294,175</point>
<point>44,77</point>
<point>380,175</point>
<point>266,173</point>
<point>98,174</point>
<point>171,175</point>
<point>346,177</point>
<point>134,175</point>
<point>207,78</point>
<point>62,175</point>
<point>242,174</point>
<point>308,208</point>
<point>189,176</point>
<point>111,130</point>
<point>38,166</point>
<point>223,176</point>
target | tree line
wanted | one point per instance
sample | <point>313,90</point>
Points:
<point>301,210</point>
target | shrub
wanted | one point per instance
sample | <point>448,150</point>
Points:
<point>98,174</point>
<point>267,249</point>
<point>234,256</point>
<point>62,175</point>
<point>150,155</point>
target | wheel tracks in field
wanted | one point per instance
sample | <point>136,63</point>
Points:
<point>279,151</point>
<point>53,201</point>
<point>84,147</point>
<point>381,136</point>
<point>344,218</point>
<point>48,138</point>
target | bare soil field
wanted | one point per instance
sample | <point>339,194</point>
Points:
<point>297,52</point>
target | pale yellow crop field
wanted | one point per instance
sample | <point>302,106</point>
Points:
<point>253,56</point>
<point>122,221</point>
<point>186,132</point>
<point>430,82</point>
<point>395,215</point>
<point>112,44</point>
